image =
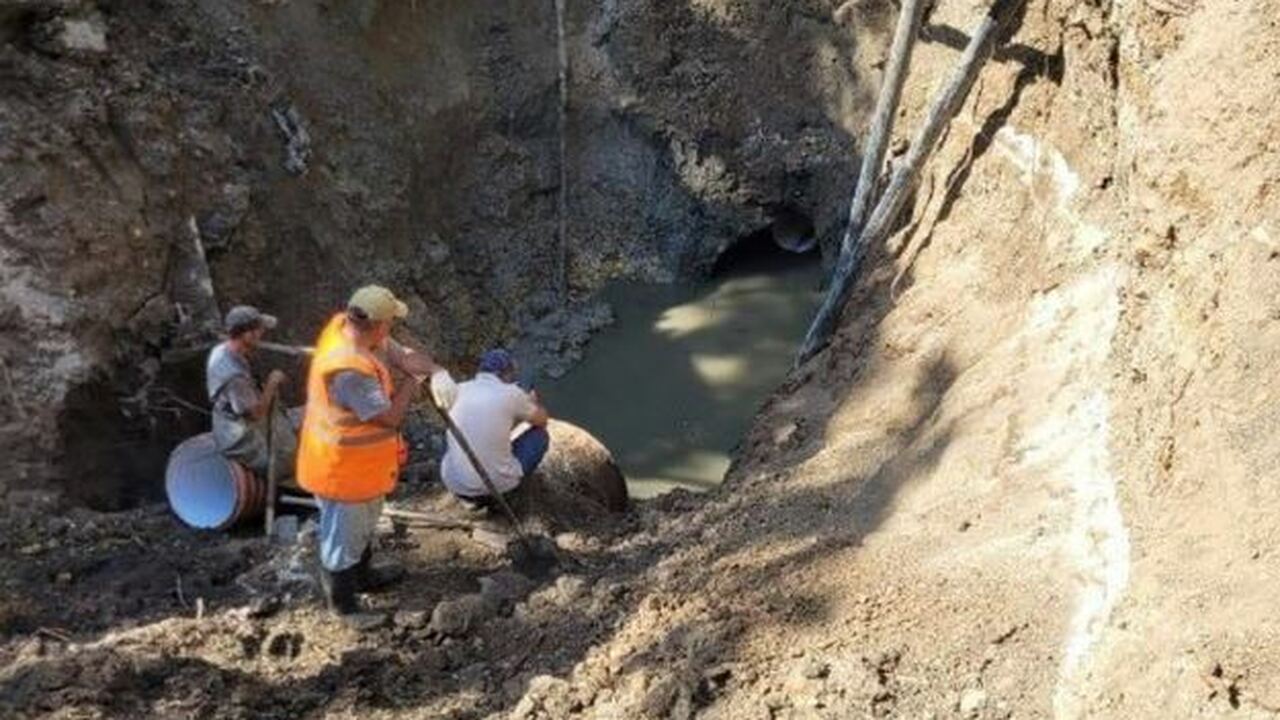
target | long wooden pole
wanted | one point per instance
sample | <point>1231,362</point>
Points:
<point>269,516</point>
<point>895,76</point>
<point>945,106</point>
<point>905,177</point>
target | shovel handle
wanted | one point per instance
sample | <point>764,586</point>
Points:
<point>270,513</point>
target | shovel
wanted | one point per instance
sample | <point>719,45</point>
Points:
<point>533,556</point>
<point>272,479</point>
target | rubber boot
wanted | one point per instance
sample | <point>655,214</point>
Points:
<point>340,595</point>
<point>373,578</point>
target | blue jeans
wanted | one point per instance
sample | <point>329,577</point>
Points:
<point>346,530</point>
<point>530,447</point>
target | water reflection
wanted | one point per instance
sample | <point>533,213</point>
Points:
<point>672,385</point>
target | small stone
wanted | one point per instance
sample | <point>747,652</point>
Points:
<point>496,540</point>
<point>815,669</point>
<point>63,578</point>
<point>263,607</point>
<point>972,701</point>
<point>504,586</point>
<point>473,674</point>
<point>784,433</point>
<point>550,695</point>
<point>219,225</point>
<point>573,542</point>
<point>526,708</point>
<point>660,697</point>
<point>412,619</point>
<point>570,588</point>
<point>453,618</point>
<point>83,35</point>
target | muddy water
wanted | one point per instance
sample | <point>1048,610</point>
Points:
<point>673,384</point>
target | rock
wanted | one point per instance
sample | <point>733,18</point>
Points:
<point>263,607</point>
<point>784,433</point>
<point>972,701</point>
<point>473,674</point>
<point>219,225</point>
<point>575,542</point>
<point>545,695</point>
<point>579,468</point>
<point>554,336</point>
<point>526,708</point>
<point>570,588</point>
<point>63,578</point>
<point>814,669</point>
<point>683,709</point>
<point>453,618</point>
<point>82,36</point>
<point>661,697</point>
<point>491,538</point>
<point>297,140</point>
<point>506,586</point>
<point>412,619</point>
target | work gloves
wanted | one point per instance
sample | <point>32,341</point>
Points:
<point>443,388</point>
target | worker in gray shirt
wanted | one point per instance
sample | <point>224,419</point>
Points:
<point>240,405</point>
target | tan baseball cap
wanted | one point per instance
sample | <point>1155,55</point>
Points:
<point>377,303</point>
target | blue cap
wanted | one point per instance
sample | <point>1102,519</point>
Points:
<point>497,361</point>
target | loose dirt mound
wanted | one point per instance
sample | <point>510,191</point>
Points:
<point>131,615</point>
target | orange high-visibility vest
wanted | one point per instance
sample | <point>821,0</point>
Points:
<point>339,456</point>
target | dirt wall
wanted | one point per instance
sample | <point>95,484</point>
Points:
<point>1031,476</point>
<point>321,145</point>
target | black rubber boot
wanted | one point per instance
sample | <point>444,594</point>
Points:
<point>340,595</point>
<point>372,578</point>
<point>340,591</point>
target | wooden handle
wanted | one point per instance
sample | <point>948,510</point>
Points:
<point>270,514</point>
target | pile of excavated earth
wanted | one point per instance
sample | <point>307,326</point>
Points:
<point>1032,475</point>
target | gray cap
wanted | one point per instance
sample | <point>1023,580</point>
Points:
<point>247,317</point>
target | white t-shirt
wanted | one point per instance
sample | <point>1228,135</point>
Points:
<point>487,411</point>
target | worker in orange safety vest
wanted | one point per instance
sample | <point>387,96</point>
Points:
<point>350,448</point>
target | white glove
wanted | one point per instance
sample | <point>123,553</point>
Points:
<point>443,388</point>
